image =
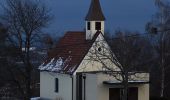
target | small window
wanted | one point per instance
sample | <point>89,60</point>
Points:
<point>98,26</point>
<point>88,25</point>
<point>56,85</point>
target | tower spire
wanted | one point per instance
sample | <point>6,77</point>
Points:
<point>95,12</point>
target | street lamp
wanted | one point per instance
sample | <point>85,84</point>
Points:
<point>154,30</point>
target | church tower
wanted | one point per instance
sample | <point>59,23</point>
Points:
<point>94,20</point>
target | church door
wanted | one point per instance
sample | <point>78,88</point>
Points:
<point>116,93</point>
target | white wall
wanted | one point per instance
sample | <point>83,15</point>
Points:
<point>91,87</point>
<point>103,91</point>
<point>96,90</point>
<point>47,86</point>
<point>88,63</point>
<point>143,91</point>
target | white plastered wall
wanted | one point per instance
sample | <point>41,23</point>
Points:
<point>96,90</point>
<point>91,87</point>
<point>47,86</point>
<point>89,63</point>
<point>143,91</point>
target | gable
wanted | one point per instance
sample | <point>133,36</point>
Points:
<point>98,58</point>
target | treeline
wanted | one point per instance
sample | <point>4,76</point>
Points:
<point>22,31</point>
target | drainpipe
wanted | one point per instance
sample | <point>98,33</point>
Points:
<point>84,78</point>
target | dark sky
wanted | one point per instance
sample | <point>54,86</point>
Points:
<point>120,14</point>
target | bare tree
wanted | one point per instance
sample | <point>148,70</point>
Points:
<point>130,49</point>
<point>160,27</point>
<point>25,20</point>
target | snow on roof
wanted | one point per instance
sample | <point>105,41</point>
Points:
<point>57,65</point>
<point>52,66</point>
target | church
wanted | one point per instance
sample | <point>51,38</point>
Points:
<point>83,67</point>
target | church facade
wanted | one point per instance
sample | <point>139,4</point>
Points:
<point>83,67</point>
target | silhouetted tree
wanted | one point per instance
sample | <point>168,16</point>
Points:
<point>25,20</point>
<point>159,27</point>
<point>129,48</point>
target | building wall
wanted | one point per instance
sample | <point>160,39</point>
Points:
<point>47,86</point>
<point>94,87</point>
<point>103,91</point>
<point>143,91</point>
<point>91,87</point>
<point>96,90</point>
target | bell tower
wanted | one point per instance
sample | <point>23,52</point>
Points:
<point>94,20</point>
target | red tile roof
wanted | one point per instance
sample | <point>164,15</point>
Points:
<point>72,48</point>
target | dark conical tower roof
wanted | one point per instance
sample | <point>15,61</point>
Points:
<point>95,12</point>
